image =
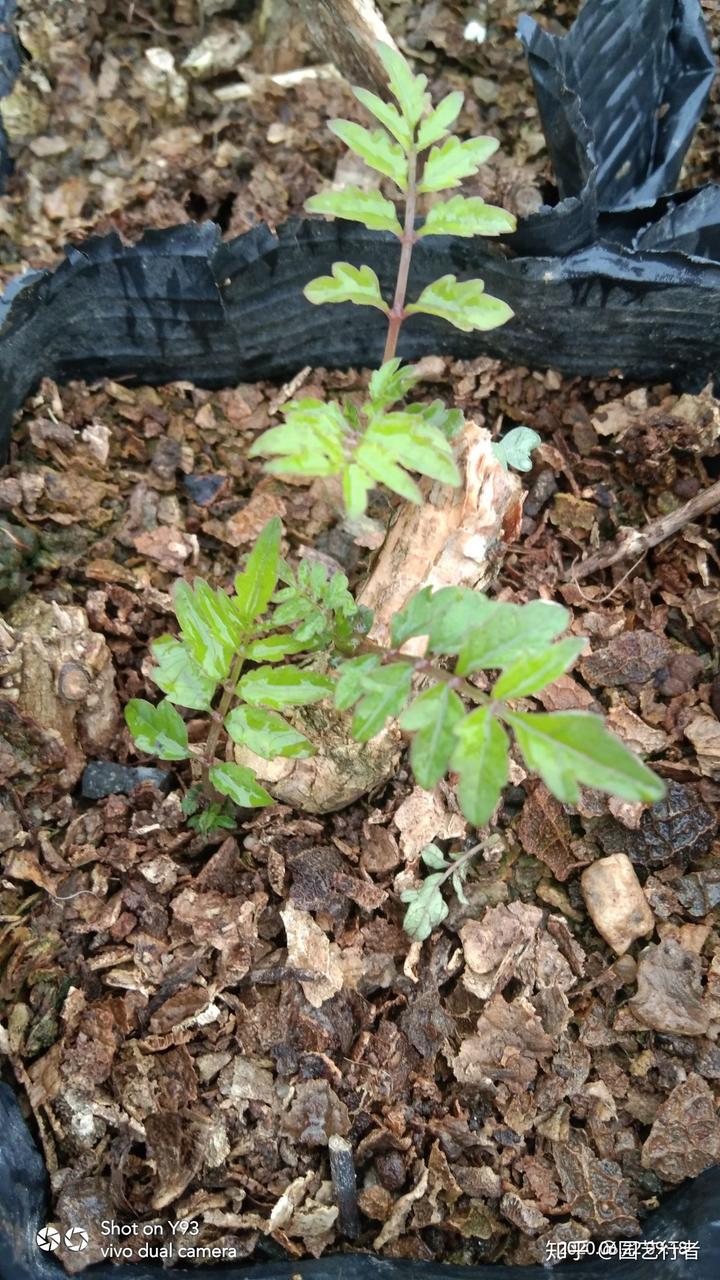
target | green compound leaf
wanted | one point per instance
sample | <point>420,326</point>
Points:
<point>463,304</point>
<point>568,748</point>
<point>378,462</point>
<point>283,687</point>
<point>385,691</point>
<point>427,908</point>
<point>375,148</point>
<point>254,587</point>
<point>267,734</point>
<point>456,610</point>
<point>179,676</point>
<point>437,124</point>
<point>467,216</point>
<point>387,114</point>
<point>159,731</point>
<point>481,760</point>
<point>447,165</point>
<point>311,441</point>
<point>210,626</point>
<point>516,448</point>
<point>347,284</point>
<point>413,619</point>
<point>409,89</point>
<point>529,675</point>
<point>448,421</point>
<point>434,715</point>
<point>240,784</point>
<point>509,632</point>
<point>391,382</point>
<point>351,677</point>
<point>355,205</point>
<point>415,444</point>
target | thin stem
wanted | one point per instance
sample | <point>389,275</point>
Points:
<point>459,862</point>
<point>423,666</point>
<point>217,723</point>
<point>407,240</point>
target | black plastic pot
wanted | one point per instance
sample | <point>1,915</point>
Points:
<point>618,275</point>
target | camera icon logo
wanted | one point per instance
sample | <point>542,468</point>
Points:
<point>48,1239</point>
<point>76,1239</point>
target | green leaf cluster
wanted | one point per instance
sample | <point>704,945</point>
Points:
<point>520,644</point>
<point>426,906</point>
<point>366,446</point>
<point>202,669</point>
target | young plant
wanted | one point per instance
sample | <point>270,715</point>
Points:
<point>237,664</point>
<point>204,670</point>
<point>378,443</point>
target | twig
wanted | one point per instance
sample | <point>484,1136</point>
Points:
<point>342,1172</point>
<point>635,542</point>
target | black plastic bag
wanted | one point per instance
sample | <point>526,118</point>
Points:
<point>599,284</point>
<point>9,68</point>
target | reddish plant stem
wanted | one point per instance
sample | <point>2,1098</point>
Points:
<point>217,724</point>
<point>407,240</point>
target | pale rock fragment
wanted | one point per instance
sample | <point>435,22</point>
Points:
<point>615,901</point>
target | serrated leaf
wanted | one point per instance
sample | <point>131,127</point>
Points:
<point>273,648</point>
<point>347,284</point>
<point>509,632</point>
<point>463,304</point>
<point>413,619</point>
<point>434,716</point>
<point>309,442</point>
<point>240,784</point>
<point>350,682</point>
<point>447,421</point>
<point>529,675</point>
<point>375,148</point>
<point>280,687</point>
<point>159,731</point>
<point>255,586</point>
<point>179,676</point>
<point>200,625</point>
<point>387,114</point>
<point>447,165</point>
<point>467,216</point>
<point>267,734</point>
<point>415,444</point>
<point>569,748</point>
<point>427,908</point>
<point>515,449</point>
<point>355,205</point>
<point>481,760</point>
<point>434,857</point>
<point>385,692</point>
<point>456,610</point>
<point>391,382</point>
<point>437,124</point>
<point>409,89</point>
<point>356,484</point>
<point>379,464</point>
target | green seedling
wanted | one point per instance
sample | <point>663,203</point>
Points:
<point>379,443</point>
<point>237,663</point>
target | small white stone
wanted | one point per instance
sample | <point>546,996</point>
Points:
<point>615,901</point>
